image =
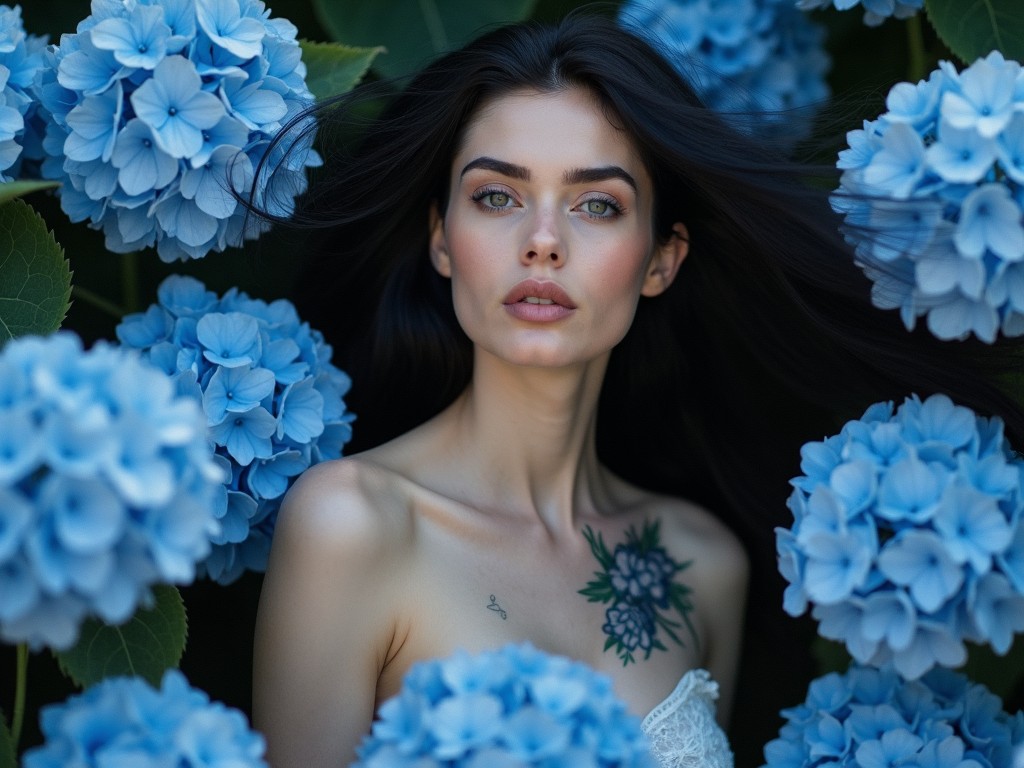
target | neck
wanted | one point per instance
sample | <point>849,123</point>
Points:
<point>526,437</point>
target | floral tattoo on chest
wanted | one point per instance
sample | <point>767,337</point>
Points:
<point>638,582</point>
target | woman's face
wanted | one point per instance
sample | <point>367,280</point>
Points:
<point>548,237</point>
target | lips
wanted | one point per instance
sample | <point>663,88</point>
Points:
<point>537,301</point>
<point>548,292</point>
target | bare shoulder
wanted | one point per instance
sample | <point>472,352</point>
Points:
<point>693,533</point>
<point>349,503</point>
<point>327,619</point>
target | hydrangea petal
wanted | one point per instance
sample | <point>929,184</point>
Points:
<point>93,125</point>
<point>836,565</point>
<point>269,478</point>
<point>208,184</point>
<point>300,415</point>
<point>961,156</point>
<point>21,445</point>
<point>919,560</point>
<point>230,339</point>
<point>214,348</point>
<point>141,164</point>
<point>137,41</point>
<point>990,219</point>
<point>173,105</point>
<point>84,548</point>
<point>234,390</point>
<point>222,21</point>
<point>246,435</point>
<point>999,610</point>
<point>123,722</point>
<point>900,163</point>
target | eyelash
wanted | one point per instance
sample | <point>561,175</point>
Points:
<point>613,206</point>
<point>481,196</point>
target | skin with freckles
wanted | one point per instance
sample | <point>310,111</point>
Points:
<point>468,532</point>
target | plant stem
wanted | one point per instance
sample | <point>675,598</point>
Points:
<point>130,282</point>
<point>89,297</point>
<point>915,49</point>
<point>21,678</point>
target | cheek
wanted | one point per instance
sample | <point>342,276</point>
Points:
<point>473,281</point>
<point>623,267</point>
<point>471,259</point>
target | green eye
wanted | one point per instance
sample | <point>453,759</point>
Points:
<point>498,199</point>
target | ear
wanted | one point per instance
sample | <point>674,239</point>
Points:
<point>665,261</point>
<point>439,243</point>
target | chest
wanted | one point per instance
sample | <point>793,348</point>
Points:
<point>613,616</point>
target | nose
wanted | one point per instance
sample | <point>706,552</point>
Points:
<point>543,243</point>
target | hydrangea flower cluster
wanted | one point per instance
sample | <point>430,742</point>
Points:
<point>125,721</point>
<point>516,706</point>
<point>875,11</point>
<point>107,486</point>
<point>908,536</point>
<point>933,190</point>
<point>742,57</point>
<point>871,717</point>
<point>272,399</point>
<point>159,112</point>
<point>21,56</point>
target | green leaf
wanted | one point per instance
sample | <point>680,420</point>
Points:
<point>7,757</point>
<point>971,30</point>
<point>35,282</point>
<point>598,591</point>
<point>598,548</point>
<point>12,189</point>
<point>680,591</point>
<point>414,31</point>
<point>149,643</point>
<point>333,68</point>
<point>649,536</point>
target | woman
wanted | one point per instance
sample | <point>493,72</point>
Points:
<point>569,273</point>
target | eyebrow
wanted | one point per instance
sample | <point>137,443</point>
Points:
<point>511,170</point>
<point>572,176</point>
<point>590,175</point>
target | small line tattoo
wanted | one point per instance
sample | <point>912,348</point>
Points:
<point>493,606</point>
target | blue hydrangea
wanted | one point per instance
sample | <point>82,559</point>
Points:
<point>107,486</point>
<point>124,721</point>
<point>272,399</point>
<point>21,57</point>
<point>159,113</point>
<point>516,706</point>
<point>908,536</point>
<point>875,11</point>
<point>872,718</point>
<point>742,57</point>
<point>932,192</point>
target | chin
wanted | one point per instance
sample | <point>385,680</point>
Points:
<point>548,356</point>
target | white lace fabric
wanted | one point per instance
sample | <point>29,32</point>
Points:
<point>682,729</point>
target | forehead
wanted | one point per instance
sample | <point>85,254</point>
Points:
<point>565,129</point>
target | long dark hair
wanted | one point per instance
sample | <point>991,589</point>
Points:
<point>766,339</point>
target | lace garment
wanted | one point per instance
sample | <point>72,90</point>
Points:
<point>682,729</point>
